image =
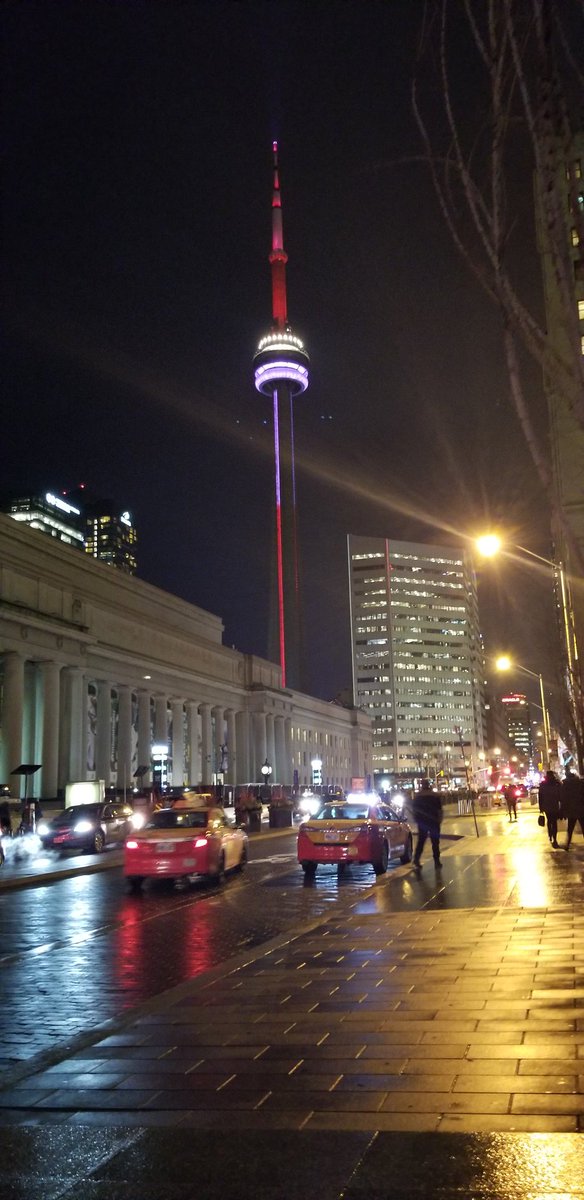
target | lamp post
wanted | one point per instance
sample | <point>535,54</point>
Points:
<point>504,663</point>
<point>489,545</point>
<point>266,770</point>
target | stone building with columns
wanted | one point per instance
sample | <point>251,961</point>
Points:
<point>96,666</point>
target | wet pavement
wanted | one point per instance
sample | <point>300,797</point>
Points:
<point>422,1035</point>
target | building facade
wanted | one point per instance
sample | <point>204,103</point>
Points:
<point>518,717</point>
<point>561,249</point>
<point>417,655</point>
<point>97,666</point>
<point>95,526</point>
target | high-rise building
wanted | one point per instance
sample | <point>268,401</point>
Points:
<point>281,372</point>
<point>561,247</point>
<point>73,517</point>
<point>50,513</point>
<point>519,725</point>
<point>111,536</point>
<point>417,654</point>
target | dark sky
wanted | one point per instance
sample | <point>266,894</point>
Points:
<point>136,223</point>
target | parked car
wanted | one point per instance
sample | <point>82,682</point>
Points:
<point>354,831</point>
<point>182,842</point>
<point>87,827</point>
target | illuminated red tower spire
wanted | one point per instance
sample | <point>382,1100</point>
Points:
<point>281,372</point>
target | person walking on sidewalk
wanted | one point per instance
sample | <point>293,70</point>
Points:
<point>510,801</point>
<point>427,810</point>
<point>572,803</point>
<point>550,804</point>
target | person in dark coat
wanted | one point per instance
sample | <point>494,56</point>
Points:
<point>550,804</point>
<point>427,810</point>
<point>572,803</point>
<point>510,801</point>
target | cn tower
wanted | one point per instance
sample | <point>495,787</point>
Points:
<point>281,372</point>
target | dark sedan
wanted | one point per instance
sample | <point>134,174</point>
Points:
<point>88,827</point>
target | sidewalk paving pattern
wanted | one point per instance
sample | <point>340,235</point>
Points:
<point>436,1022</point>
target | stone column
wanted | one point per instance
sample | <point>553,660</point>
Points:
<point>282,767</point>
<point>193,742</point>
<point>178,743</point>
<point>103,738</point>
<point>231,747</point>
<point>243,769</point>
<point>73,750</point>
<point>12,716</point>
<point>124,775</point>
<point>161,720</point>
<point>218,735</point>
<point>206,745</point>
<point>289,771</point>
<point>260,745</point>
<point>144,735</point>
<point>50,712</point>
<point>271,748</point>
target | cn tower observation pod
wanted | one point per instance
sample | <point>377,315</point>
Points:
<point>281,358</point>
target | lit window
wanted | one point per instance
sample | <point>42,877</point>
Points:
<point>575,237</point>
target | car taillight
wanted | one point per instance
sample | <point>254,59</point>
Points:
<point>131,845</point>
<point>200,842</point>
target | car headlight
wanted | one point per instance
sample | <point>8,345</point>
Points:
<point>83,827</point>
<point>42,829</point>
<point>138,820</point>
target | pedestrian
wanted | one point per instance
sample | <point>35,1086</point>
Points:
<point>572,801</point>
<point>427,810</point>
<point>511,801</point>
<point>550,804</point>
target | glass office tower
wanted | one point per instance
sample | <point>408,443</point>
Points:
<point>418,664</point>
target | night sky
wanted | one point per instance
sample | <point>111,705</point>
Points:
<point>136,221</point>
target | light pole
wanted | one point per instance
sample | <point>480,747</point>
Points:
<point>489,545</point>
<point>504,663</point>
<point>266,770</point>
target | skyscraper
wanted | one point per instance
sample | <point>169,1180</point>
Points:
<point>281,372</point>
<point>519,725</point>
<point>417,654</point>
<point>560,225</point>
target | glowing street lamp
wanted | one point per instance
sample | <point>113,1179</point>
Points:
<point>504,663</point>
<point>490,544</point>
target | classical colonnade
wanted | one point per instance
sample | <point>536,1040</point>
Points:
<point>80,726</point>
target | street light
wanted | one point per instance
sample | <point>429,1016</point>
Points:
<point>266,770</point>
<point>504,663</point>
<point>490,544</point>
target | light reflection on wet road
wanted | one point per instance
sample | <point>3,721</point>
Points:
<point>81,951</point>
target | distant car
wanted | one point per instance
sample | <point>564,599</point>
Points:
<point>354,831</point>
<point>182,842</point>
<point>87,827</point>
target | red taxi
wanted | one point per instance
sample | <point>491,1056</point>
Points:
<point>360,829</point>
<point>181,843</point>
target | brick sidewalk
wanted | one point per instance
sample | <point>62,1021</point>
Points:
<point>464,1020</point>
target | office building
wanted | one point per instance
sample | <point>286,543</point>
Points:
<point>417,655</point>
<point>78,519</point>
<point>50,513</point>
<point>561,249</point>
<point>518,717</point>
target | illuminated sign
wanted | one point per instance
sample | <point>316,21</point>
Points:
<point>126,518</point>
<point>62,504</point>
